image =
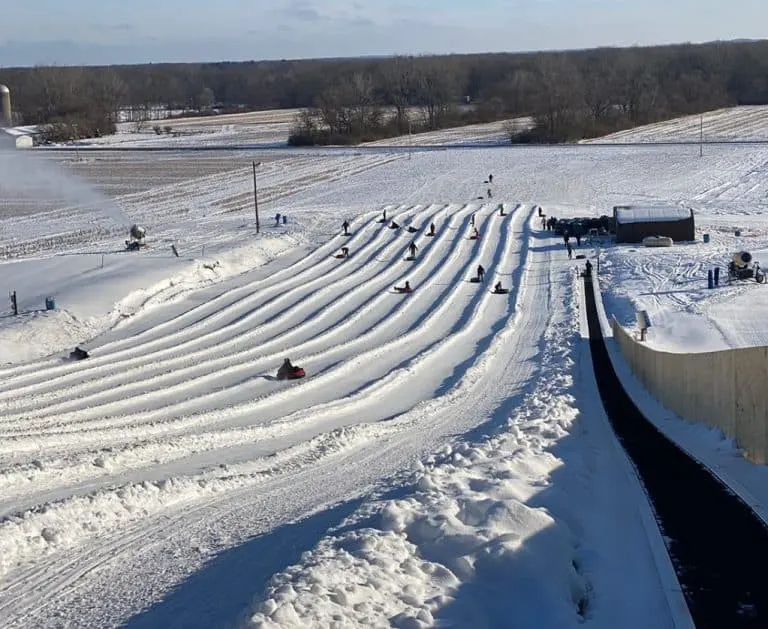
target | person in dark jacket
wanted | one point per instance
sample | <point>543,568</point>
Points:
<point>480,272</point>
<point>431,229</point>
<point>286,369</point>
<point>404,289</point>
<point>345,226</point>
<point>412,248</point>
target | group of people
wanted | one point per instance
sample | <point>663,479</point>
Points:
<point>548,223</point>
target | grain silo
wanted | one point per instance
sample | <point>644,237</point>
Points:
<point>5,97</point>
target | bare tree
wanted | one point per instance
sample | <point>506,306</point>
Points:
<point>350,108</point>
<point>206,99</point>
<point>560,98</point>
<point>398,86</point>
<point>437,90</point>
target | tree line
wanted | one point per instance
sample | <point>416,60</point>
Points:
<point>569,95</point>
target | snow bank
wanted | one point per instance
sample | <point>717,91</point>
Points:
<point>91,299</point>
<point>467,522</point>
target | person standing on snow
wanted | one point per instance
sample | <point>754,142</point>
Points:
<point>480,272</point>
<point>569,249</point>
<point>345,226</point>
<point>490,178</point>
<point>412,248</point>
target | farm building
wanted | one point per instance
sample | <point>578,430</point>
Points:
<point>16,137</point>
<point>635,222</point>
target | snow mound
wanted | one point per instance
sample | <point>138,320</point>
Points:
<point>464,544</point>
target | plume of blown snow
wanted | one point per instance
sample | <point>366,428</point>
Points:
<point>33,176</point>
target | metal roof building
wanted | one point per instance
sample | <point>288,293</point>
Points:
<point>635,222</point>
<point>16,137</point>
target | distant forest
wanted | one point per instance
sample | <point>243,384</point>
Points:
<point>570,95</point>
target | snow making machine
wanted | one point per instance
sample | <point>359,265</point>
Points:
<point>136,241</point>
<point>743,267</point>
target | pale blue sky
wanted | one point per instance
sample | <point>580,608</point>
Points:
<point>111,31</point>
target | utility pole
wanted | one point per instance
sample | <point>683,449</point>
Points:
<point>255,197</point>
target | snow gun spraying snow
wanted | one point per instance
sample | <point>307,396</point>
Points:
<point>137,235</point>
<point>742,267</point>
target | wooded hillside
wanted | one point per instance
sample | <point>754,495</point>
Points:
<point>571,94</point>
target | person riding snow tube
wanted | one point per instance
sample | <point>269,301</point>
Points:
<point>499,290</point>
<point>288,371</point>
<point>78,354</point>
<point>406,288</point>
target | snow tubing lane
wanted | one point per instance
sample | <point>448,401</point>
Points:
<point>718,546</point>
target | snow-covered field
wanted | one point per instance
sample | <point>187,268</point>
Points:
<point>747,123</point>
<point>445,462</point>
<point>271,129</point>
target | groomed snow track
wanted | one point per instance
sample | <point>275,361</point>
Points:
<point>719,547</point>
<point>122,474</point>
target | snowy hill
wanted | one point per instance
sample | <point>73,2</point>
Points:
<point>444,442</point>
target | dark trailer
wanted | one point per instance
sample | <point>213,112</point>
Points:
<point>635,222</point>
